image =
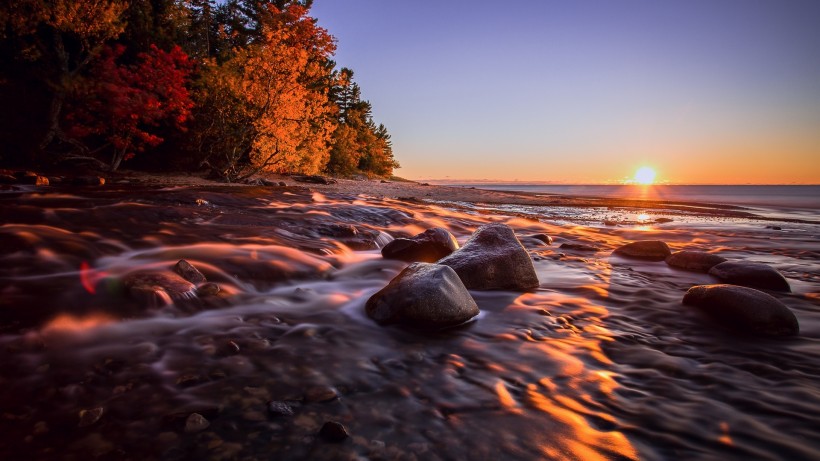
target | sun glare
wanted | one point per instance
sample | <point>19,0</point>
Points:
<point>645,176</point>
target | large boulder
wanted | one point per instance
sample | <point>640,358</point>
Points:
<point>652,250</point>
<point>754,275</point>
<point>429,246</point>
<point>426,296</point>
<point>744,309</point>
<point>493,258</point>
<point>698,261</point>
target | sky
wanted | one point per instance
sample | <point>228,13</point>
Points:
<point>588,91</point>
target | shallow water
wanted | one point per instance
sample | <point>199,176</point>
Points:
<point>601,362</point>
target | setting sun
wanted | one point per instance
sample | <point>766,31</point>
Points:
<point>645,176</point>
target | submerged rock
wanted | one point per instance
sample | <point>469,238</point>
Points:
<point>653,250</point>
<point>754,275</point>
<point>429,246</point>
<point>158,288</point>
<point>744,309</point>
<point>429,296</point>
<point>196,423</point>
<point>699,261</point>
<point>579,247</point>
<point>493,258</point>
<point>334,432</point>
<point>189,272</point>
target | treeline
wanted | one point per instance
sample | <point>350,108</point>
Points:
<point>239,87</point>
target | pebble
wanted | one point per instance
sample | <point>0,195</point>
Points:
<point>321,394</point>
<point>333,432</point>
<point>196,423</point>
<point>89,417</point>
<point>278,408</point>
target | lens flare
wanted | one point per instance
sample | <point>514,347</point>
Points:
<point>645,176</point>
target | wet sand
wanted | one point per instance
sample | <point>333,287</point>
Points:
<point>602,361</point>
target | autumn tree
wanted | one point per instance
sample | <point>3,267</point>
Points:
<point>54,41</point>
<point>263,110</point>
<point>121,106</point>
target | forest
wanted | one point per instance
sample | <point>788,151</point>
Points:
<point>235,87</point>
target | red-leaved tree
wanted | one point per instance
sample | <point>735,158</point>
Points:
<point>123,105</point>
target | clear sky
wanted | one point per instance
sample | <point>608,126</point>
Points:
<point>703,91</point>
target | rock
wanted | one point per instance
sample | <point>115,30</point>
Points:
<point>283,184</point>
<point>279,409</point>
<point>663,220</point>
<point>698,261</point>
<point>429,296</point>
<point>158,288</point>
<point>268,182</point>
<point>493,258</point>
<point>7,179</point>
<point>208,289</point>
<point>542,237</point>
<point>189,272</point>
<point>579,247</point>
<point>610,223</point>
<point>88,181</point>
<point>744,309</point>
<point>429,246</point>
<point>653,250</point>
<point>35,180</point>
<point>89,417</point>
<point>333,432</point>
<point>321,394</point>
<point>774,227</point>
<point>754,275</point>
<point>196,423</point>
<point>315,179</point>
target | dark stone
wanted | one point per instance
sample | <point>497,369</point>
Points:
<point>158,288</point>
<point>429,246</point>
<point>542,237</point>
<point>315,179</point>
<point>744,309</point>
<point>195,423</point>
<point>698,261</point>
<point>89,417</point>
<point>88,181</point>
<point>7,179</point>
<point>653,250</point>
<point>774,227</point>
<point>493,258</point>
<point>754,275</point>
<point>208,289</point>
<point>283,184</point>
<point>663,220</point>
<point>35,180</point>
<point>189,272</point>
<point>610,223</point>
<point>321,394</point>
<point>579,247</point>
<point>333,432</point>
<point>279,409</point>
<point>428,296</point>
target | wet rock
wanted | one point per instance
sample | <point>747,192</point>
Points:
<point>158,288</point>
<point>88,181</point>
<point>268,182</point>
<point>315,179</point>
<point>610,223</point>
<point>333,432</point>
<point>279,409</point>
<point>663,220</point>
<point>542,237</point>
<point>208,289</point>
<point>428,296</point>
<point>774,227</point>
<point>493,258</point>
<point>35,180</point>
<point>189,272</point>
<point>698,261</point>
<point>579,247</point>
<point>429,246</point>
<point>282,184</point>
<point>754,275</point>
<point>652,250</point>
<point>89,417</point>
<point>744,309</point>
<point>196,423</point>
<point>321,394</point>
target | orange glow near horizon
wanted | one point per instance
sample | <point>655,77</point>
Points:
<point>645,176</point>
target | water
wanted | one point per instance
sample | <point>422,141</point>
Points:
<point>782,196</point>
<point>601,362</point>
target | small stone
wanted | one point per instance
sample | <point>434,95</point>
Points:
<point>333,432</point>
<point>40,428</point>
<point>749,274</point>
<point>610,223</point>
<point>283,184</point>
<point>208,289</point>
<point>652,250</point>
<point>89,417</point>
<point>321,394</point>
<point>698,261</point>
<point>542,237</point>
<point>196,423</point>
<point>428,246</point>
<point>279,409</point>
<point>663,220</point>
<point>744,309</point>
<point>189,272</point>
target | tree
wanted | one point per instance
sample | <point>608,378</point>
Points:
<point>265,109</point>
<point>121,105</point>
<point>55,40</point>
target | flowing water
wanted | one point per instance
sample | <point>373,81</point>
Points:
<point>601,362</point>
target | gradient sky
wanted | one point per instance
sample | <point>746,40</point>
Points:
<point>704,91</point>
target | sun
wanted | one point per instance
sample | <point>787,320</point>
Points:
<point>645,176</point>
